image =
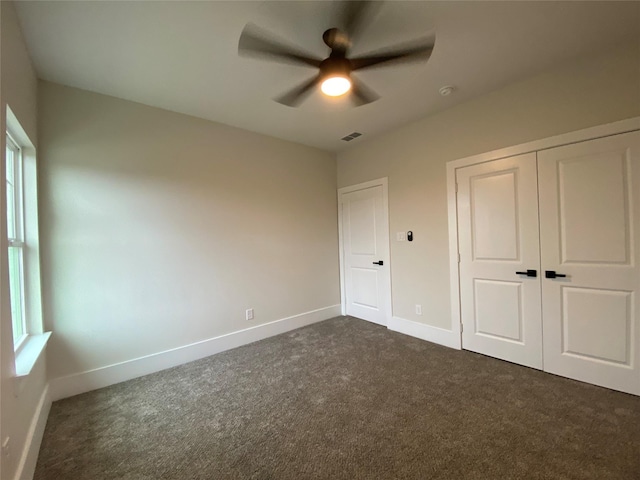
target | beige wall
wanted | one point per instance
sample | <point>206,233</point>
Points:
<point>586,93</point>
<point>160,229</point>
<point>19,399</point>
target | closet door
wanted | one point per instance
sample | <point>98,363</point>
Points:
<point>590,238</point>
<point>498,243</point>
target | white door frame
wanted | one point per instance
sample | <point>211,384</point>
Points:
<point>615,128</point>
<point>384,183</point>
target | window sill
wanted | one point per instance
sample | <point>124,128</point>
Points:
<point>30,352</point>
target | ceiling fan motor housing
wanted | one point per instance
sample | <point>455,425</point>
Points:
<point>335,66</point>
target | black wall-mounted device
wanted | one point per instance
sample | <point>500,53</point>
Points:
<point>410,236</point>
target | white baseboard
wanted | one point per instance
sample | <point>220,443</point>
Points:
<point>441,336</point>
<point>70,385</point>
<point>29,457</point>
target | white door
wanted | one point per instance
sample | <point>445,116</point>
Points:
<point>365,252</point>
<point>498,244</point>
<point>590,232</point>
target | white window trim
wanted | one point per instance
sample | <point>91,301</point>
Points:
<point>18,240</point>
<point>33,345</point>
<point>30,350</point>
<point>18,188</point>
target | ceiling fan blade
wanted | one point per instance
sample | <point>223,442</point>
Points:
<point>361,94</point>
<point>413,53</point>
<point>296,95</point>
<point>256,42</point>
<point>355,14</point>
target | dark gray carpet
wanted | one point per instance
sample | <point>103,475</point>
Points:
<point>344,399</point>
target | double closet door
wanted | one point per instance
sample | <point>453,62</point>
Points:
<point>549,274</point>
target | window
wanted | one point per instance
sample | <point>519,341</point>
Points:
<point>21,178</point>
<point>15,232</point>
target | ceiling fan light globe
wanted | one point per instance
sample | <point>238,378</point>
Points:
<point>336,85</point>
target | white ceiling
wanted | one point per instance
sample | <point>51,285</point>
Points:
<point>182,56</point>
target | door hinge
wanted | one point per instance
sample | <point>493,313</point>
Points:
<point>458,258</point>
<point>461,327</point>
<point>456,187</point>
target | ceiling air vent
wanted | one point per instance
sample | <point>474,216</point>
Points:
<point>351,136</point>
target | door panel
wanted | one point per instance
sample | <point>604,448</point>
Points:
<point>504,322</point>
<point>365,287</point>
<point>589,225</point>
<point>594,208</point>
<point>362,231</point>
<point>365,236</point>
<point>498,236</point>
<point>596,324</point>
<point>493,203</point>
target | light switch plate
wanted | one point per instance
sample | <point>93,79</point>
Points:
<point>401,236</point>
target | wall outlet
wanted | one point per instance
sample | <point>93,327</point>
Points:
<point>401,236</point>
<point>249,314</point>
<point>418,309</point>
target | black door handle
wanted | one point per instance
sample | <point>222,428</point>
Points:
<point>529,273</point>
<point>553,274</point>
<point>379,263</point>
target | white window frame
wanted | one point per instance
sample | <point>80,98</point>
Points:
<point>17,240</point>
<point>30,346</point>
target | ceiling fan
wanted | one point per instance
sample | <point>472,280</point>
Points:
<point>335,72</point>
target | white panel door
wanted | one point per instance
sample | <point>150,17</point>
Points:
<point>365,247</point>
<point>590,234</point>
<point>498,243</point>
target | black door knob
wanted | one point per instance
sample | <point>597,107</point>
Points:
<point>379,263</point>
<point>529,273</point>
<point>553,274</point>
